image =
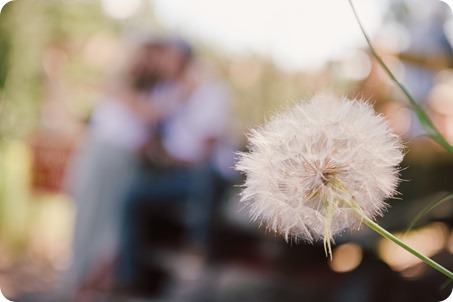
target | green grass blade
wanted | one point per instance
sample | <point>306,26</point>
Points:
<point>424,119</point>
<point>426,210</point>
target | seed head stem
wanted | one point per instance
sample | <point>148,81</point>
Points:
<point>383,232</point>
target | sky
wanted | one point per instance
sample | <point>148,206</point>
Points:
<point>295,34</point>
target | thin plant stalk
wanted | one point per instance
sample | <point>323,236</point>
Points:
<point>431,131</point>
<point>386,234</point>
<point>428,209</point>
<point>419,111</point>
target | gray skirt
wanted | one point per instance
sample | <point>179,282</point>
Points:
<point>101,176</point>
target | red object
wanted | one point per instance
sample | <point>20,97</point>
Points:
<point>51,156</point>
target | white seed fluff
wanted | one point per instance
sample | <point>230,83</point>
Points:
<point>308,168</point>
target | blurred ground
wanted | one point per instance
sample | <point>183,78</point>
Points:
<point>245,263</point>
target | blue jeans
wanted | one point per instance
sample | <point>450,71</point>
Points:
<point>191,190</point>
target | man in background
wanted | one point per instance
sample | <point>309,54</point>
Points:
<point>179,170</point>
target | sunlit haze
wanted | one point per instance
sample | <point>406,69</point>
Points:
<point>295,34</point>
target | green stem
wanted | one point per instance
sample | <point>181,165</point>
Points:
<point>421,114</point>
<point>383,232</point>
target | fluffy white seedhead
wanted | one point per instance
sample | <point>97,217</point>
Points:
<point>311,168</point>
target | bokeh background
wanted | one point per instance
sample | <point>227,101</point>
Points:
<point>55,56</point>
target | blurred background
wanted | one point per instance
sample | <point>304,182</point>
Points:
<point>56,55</point>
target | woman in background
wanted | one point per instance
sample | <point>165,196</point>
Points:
<point>107,165</point>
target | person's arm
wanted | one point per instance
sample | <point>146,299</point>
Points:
<point>139,104</point>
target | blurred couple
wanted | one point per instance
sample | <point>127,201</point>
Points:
<point>151,139</point>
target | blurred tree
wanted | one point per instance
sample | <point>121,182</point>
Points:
<point>27,29</point>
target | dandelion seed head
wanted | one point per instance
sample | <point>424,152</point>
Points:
<point>309,166</point>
